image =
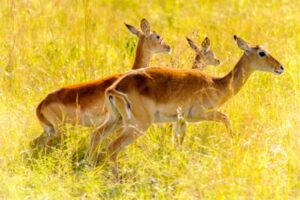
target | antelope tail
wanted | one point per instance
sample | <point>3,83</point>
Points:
<point>115,97</point>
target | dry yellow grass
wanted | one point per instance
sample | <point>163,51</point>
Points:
<point>48,44</point>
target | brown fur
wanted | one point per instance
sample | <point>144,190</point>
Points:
<point>83,94</point>
<point>164,84</point>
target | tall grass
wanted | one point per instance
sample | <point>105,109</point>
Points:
<point>48,44</point>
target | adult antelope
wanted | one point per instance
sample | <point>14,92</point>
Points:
<point>152,95</point>
<point>83,104</point>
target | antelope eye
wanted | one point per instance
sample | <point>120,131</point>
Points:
<point>262,54</point>
<point>158,37</point>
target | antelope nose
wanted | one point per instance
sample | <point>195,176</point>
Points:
<point>281,68</point>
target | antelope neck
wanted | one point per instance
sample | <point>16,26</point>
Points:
<point>236,78</point>
<point>142,56</point>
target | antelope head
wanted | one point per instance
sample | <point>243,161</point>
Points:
<point>258,58</point>
<point>150,40</point>
<point>204,55</point>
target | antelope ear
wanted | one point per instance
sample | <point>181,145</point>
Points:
<point>145,26</point>
<point>205,44</point>
<point>242,44</point>
<point>133,30</point>
<point>192,44</point>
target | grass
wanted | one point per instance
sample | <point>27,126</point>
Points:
<point>48,44</point>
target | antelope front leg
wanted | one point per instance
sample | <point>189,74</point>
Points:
<point>179,132</point>
<point>220,117</point>
<point>216,116</point>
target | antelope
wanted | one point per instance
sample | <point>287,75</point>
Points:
<point>152,95</point>
<point>83,104</point>
<point>204,57</point>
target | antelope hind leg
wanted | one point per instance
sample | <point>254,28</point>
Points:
<point>100,133</point>
<point>129,135</point>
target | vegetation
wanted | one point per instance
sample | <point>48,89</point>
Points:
<point>45,45</point>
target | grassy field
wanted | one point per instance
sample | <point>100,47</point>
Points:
<point>45,45</point>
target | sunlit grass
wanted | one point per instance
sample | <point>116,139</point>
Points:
<point>48,44</point>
